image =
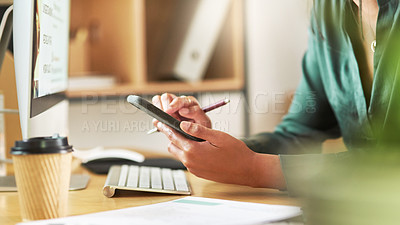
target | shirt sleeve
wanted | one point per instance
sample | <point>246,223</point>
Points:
<point>310,120</point>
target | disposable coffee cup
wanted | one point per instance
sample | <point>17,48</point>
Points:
<point>42,168</point>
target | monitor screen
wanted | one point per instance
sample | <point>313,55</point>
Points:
<point>41,42</point>
<point>49,53</point>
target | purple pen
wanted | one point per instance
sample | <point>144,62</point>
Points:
<point>205,109</point>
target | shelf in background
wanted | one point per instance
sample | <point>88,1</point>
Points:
<point>130,47</point>
<point>161,87</point>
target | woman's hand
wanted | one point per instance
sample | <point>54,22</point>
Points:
<point>223,158</point>
<point>184,108</point>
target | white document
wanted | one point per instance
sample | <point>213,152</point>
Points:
<point>184,211</point>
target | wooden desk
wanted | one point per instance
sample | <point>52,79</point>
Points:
<point>92,199</point>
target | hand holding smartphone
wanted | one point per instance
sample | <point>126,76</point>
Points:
<point>159,115</point>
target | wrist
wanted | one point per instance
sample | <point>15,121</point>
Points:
<point>266,172</point>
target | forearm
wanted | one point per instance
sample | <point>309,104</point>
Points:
<point>267,172</point>
<point>273,143</point>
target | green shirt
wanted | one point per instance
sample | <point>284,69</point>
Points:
<point>330,101</point>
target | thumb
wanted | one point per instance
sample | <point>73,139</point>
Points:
<point>197,130</point>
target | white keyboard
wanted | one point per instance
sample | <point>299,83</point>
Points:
<point>143,178</point>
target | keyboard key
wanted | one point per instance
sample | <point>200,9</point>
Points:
<point>180,180</point>
<point>113,176</point>
<point>133,176</point>
<point>167,180</point>
<point>144,178</point>
<point>156,178</point>
<point>122,176</point>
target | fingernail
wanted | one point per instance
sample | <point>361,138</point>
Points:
<point>185,125</point>
<point>184,111</point>
<point>159,126</point>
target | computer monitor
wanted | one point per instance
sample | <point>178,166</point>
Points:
<point>41,37</point>
<point>5,29</point>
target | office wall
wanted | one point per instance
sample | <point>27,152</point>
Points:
<point>276,41</point>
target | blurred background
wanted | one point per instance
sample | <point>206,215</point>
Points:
<point>247,51</point>
<point>256,63</point>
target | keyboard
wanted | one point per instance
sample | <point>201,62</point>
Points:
<point>144,178</point>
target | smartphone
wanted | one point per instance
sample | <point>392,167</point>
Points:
<point>160,115</point>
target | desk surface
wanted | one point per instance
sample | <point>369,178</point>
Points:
<point>92,199</point>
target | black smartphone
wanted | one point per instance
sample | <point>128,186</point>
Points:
<point>160,115</point>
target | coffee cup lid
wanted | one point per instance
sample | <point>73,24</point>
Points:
<point>41,145</point>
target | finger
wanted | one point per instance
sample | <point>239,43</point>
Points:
<point>177,152</point>
<point>157,101</point>
<point>213,136</point>
<point>196,114</point>
<point>181,102</point>
<point>176,138</point>
<point>166,100</point>
<point>154,121</point>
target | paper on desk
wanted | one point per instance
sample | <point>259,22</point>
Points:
<point>188,210</point>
